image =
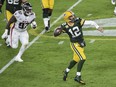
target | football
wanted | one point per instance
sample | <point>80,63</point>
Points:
<point>57,31</point>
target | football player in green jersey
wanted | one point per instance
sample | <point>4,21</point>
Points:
<point>73,27</point>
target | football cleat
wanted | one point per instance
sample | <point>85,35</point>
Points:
<point>65,75</point>
<point>113,2</point>
<point>47,29</point>
<point>18,59</point>
<point>79,80</point>
<point>115,11</point>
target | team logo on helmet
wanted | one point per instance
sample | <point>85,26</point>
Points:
<point>67,16</point>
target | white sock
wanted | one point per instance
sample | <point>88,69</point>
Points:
<point>78,73</point>
<point>21,51</point>
<point>46,22</point>
<point>67,70</point>
<point>49,17</point>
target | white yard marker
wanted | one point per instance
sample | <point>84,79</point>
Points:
<point>92,41</point>
<point>36,38</point>
<point>88,15</point>
<point>61,42</point>
<point>0,44</point>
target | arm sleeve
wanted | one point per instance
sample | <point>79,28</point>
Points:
<point>82,21</point>
<point>91,23</point>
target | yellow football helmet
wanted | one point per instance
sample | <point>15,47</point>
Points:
<point>67,16</point>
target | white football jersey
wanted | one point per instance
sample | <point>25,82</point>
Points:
<point>22,20</point>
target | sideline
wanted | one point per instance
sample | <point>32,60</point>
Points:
<point>36,38</point>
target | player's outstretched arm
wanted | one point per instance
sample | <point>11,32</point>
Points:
<point>7,30</point>
<point>94,24</point>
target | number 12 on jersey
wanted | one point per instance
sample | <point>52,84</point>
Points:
<point>75,32</point>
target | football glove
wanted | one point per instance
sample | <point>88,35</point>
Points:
<point>33,25</point>
<point>5,34</point>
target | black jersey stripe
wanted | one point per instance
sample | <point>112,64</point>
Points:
<point>77,52</point>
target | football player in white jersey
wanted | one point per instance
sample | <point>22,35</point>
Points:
<point>21,19</point>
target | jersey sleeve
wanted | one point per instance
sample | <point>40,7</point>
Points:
<point>33,15</point>
<point>81,21</point>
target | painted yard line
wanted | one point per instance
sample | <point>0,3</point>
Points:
<point>86,38</point>
<point>103,39</point>
<point>36,38</point>
<point>38,42</point>
<point>97,33</point>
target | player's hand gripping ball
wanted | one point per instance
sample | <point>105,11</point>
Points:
<point>57,31</point>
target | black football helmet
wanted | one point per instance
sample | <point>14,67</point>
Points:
<point>27,8</point>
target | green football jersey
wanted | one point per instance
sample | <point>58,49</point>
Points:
<point>75,32</point>
<point>13,5</point>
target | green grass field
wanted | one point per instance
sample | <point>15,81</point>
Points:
<point>45,60</point>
